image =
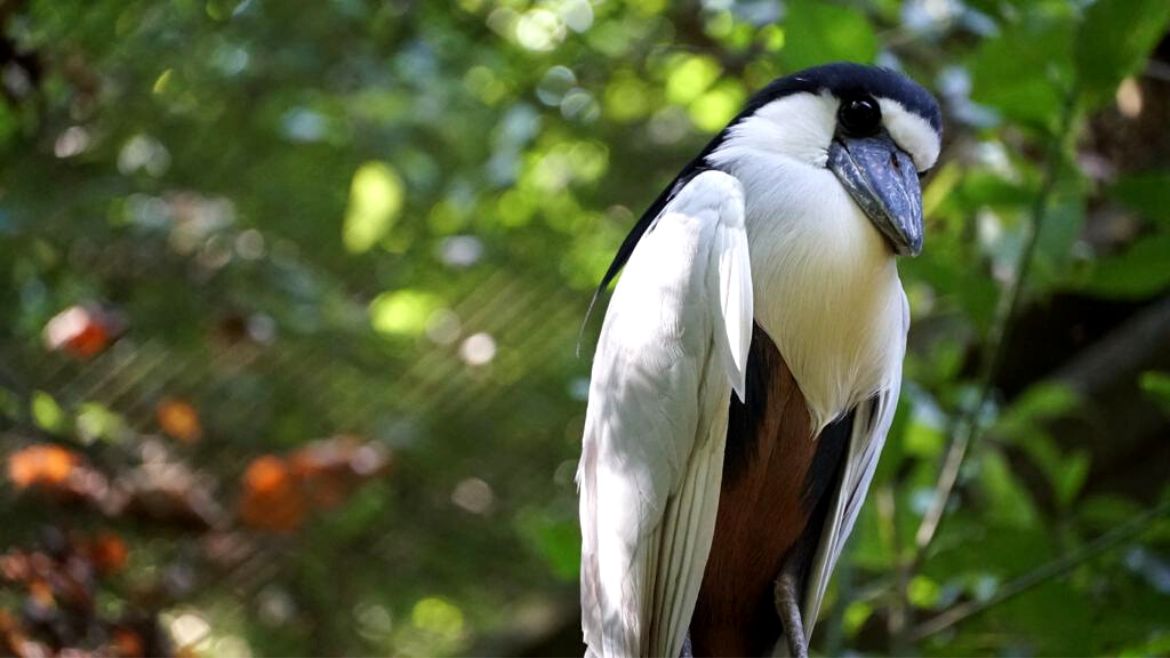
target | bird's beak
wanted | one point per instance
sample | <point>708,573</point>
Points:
<point>883,182</point>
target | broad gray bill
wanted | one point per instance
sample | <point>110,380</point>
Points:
<point>883,181</point>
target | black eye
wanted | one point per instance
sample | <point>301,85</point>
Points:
<point>860,117</point>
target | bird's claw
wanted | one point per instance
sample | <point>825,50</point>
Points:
<point>788,607</point>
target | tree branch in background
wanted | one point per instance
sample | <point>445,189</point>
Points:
<point>1122,533</point>
<point>970,428</point>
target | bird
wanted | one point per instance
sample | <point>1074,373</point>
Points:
<point>748,368</point>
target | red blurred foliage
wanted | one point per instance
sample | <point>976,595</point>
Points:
<point>330,470</point>
<point>108,553</point>
<point>271,500</point>
<point>58,580</point>
<point>57,616</point>
<point>127,643</point>
<point>82,331</point>
<point>279,491</point>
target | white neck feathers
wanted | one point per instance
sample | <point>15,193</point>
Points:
<point>826,284</point>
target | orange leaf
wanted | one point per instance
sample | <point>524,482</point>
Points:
<point>272,498</point>
<point>280,512</point>
<point>41,464</point>
<point>179,419</point>
<point>267,474</point>
<point>42,593</point>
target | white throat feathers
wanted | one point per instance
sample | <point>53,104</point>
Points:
<point>826,284</point>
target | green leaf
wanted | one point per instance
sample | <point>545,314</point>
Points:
<point>1022,72</point>
<point>47,414</point>
<point>403,312</point>
<point>375,199</point>
<point>717,107</point>
<point>1147,193</point>
<point>823,32</point>
<point>1039,403</point>
<point>97,421</point>
<point>1058,233</point>
<point>1105,511</point>
<point>1157,386</point>
<point>1069,479</point>
<point>556,539</point>
<point>1008,501</point>
<point>10,404</point>
<point>1138,273</point>
<point>627,98</point>
<point>1157,644</point>
<point>923,592</point>
<point>1114,40</point>
<point>689,77</point>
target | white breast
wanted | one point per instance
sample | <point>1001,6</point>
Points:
<point>826,285</point>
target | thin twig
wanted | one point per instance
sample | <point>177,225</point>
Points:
<point>899,620</point>
<point>969,426</point>
<point>1122,533</point>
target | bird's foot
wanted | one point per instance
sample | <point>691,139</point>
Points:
<point>787,604</point>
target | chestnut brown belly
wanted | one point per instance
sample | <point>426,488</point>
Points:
<point>773,480</point>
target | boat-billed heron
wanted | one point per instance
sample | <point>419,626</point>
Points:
<point>748,368</point>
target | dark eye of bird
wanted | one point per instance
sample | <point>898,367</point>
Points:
<point>860,117</point>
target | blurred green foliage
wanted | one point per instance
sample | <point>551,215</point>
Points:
<point>384,219</point>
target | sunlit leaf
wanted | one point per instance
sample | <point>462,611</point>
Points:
<point>96,421</point>
<point>403,312</point>
<point>923,592</point>
<point>437,616</point>
<point>46,412</point>
<point>375,199</point>
<point>715,109</point>
<point>626,97</point>
<point>856,615</point>
<point>689,77</point>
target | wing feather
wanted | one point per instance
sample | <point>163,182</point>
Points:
<point>672,347</point>
<point>734,335</point>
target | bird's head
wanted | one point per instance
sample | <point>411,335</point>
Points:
<point>874,129</point>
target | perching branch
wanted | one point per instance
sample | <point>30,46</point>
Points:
<point>969,427</point>
<point>1122,533</point>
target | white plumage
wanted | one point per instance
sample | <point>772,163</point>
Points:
<point>827,288</point>
<point>673,346</point>
<point>772,236</point>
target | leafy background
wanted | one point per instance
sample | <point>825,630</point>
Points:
<point>291,294</point>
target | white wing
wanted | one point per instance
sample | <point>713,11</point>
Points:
<point>871,422</point>
<point>673,345</point>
